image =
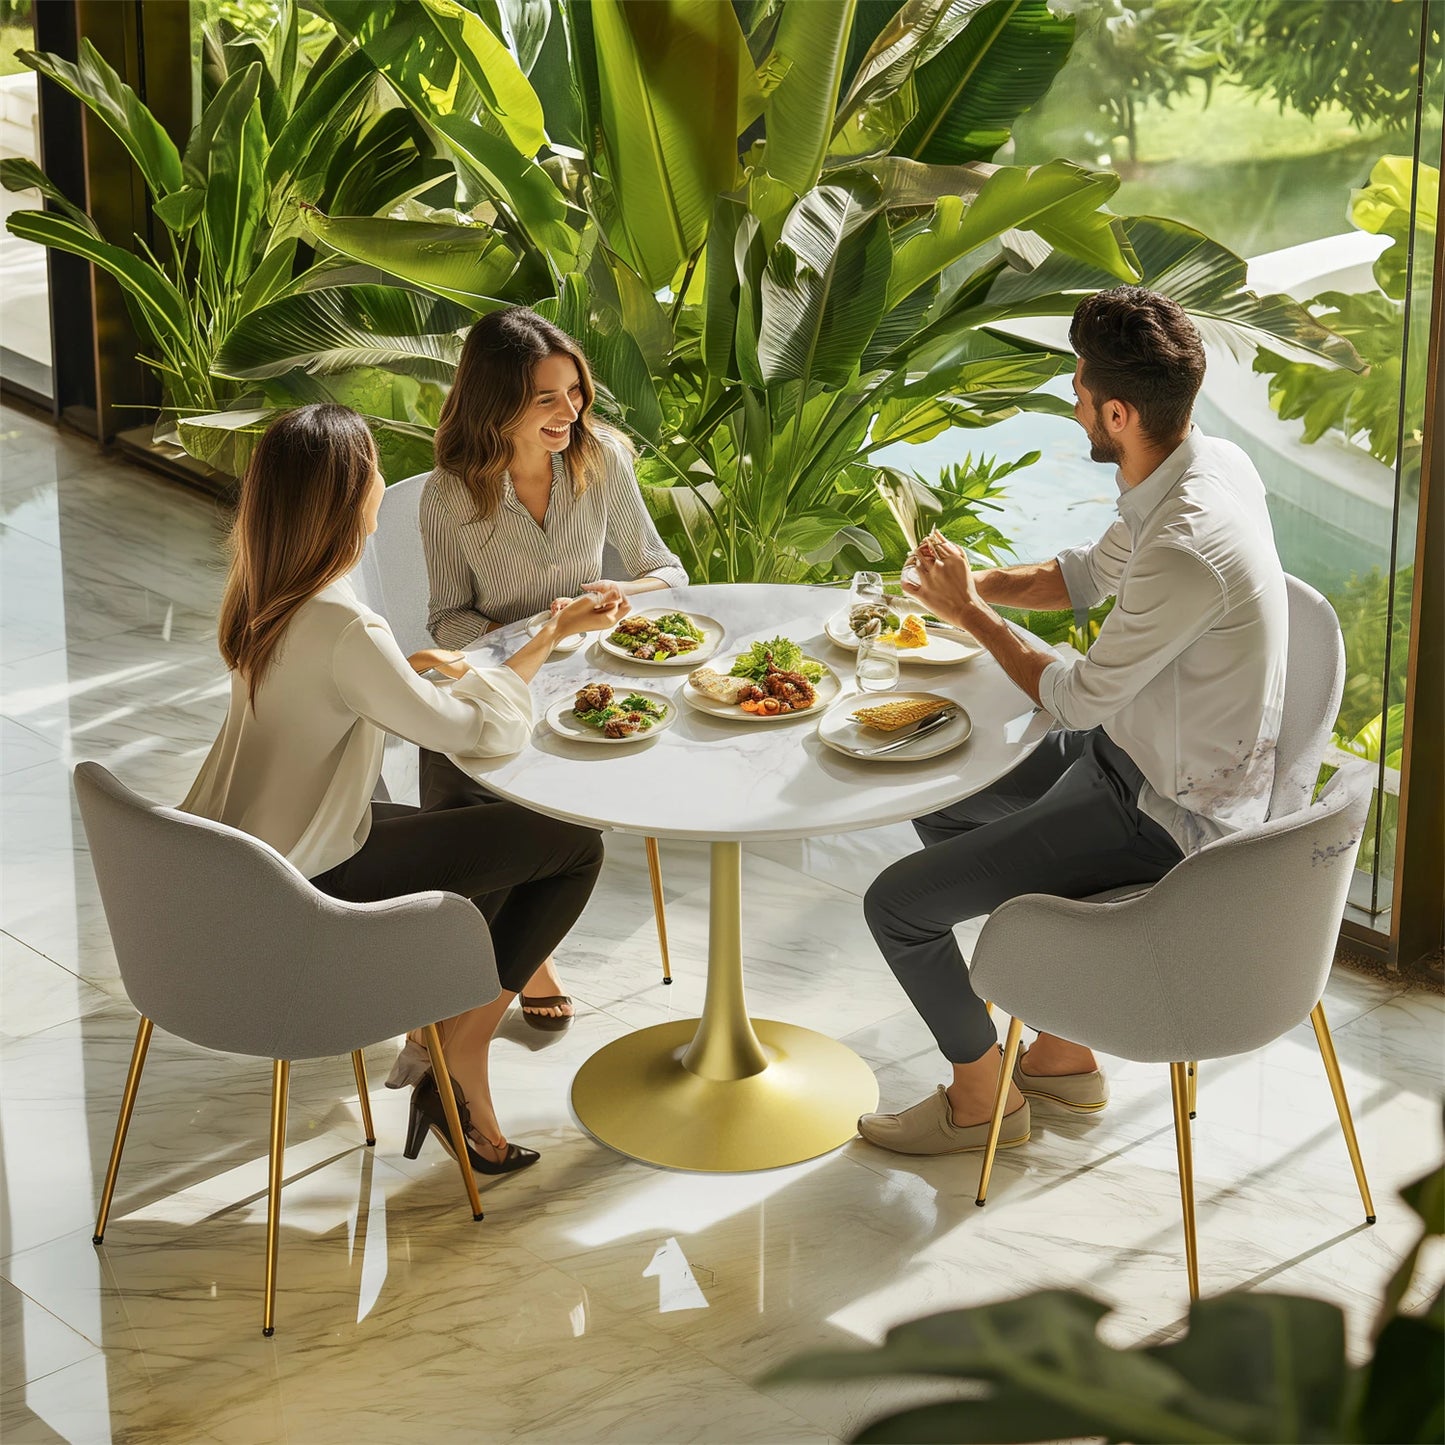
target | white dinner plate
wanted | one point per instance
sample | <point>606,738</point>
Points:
<point>827,687</point>
<point>568,644</point>
<point>837,729</point>
<point>946,645</point>
<point>565,724</point>
<point>710,627</point>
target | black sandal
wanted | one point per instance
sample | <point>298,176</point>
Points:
<point>547,1023</point>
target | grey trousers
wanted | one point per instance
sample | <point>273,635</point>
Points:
<point>1065,821</point>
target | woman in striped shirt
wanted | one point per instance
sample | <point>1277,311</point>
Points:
<point>529,491</point>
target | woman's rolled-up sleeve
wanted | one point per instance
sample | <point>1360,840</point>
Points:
<point>485,713</point>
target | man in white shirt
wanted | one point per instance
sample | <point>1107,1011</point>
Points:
<point>1167,727</point>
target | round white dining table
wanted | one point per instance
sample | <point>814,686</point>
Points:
<point>728,1093</point>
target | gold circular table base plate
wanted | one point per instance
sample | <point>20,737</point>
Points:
<point>635,1096</point>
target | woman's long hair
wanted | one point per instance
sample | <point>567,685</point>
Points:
<point>491,395</point>
<point>299,526</point>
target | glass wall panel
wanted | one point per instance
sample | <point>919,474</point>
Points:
<point>24,277</point>
<point>1299,134</point>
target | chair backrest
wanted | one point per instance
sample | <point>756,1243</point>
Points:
<point>1230,949</point>
<point>392,577</point>
<point>1314,684</point>
<point>221,941</point>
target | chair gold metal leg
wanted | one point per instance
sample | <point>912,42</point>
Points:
<point>280,1084</point>
<point>359,1065</point>
<point>1183,1141</point>
<point>1194,1088</point>
<point>1342,1104</point>
<point>122,1124</point>
<point>443,1079</point>
<point>1000,1103</point>
<point>654,868</point>
<point>988,1007</point>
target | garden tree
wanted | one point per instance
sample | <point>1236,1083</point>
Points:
<point>1362,56</point>
<point>774,227</point>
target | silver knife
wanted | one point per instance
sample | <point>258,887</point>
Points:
<point>927,726</point>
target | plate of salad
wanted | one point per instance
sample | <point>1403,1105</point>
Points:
<point>662,638</point>
<point>771,682</point>
<point>614,716</point>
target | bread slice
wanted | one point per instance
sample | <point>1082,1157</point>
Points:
<point>714,684</point>
<point>888,717</point>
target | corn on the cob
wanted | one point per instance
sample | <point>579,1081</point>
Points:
<point>888,717</point>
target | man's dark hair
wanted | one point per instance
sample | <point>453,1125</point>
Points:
<point>1140,348</point>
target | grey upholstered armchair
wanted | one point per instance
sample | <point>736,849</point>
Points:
<point>1228,951</point>
<point>222,942</point>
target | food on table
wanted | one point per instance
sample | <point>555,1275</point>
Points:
<point>650,638</point>
<point>596,706</point>
<point>888,717</point>
<point>910,633</point>
<point>779,691</point>
<point>713,684</point>
<point>868,618</point>
<point>778,654</point>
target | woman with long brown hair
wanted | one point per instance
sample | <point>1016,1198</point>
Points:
<point>530,498</point>
<point>317,681</point>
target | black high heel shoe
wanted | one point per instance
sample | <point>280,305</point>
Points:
<point>427,1113</point>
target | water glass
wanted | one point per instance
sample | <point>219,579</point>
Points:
<point>876,669</point>
<point>867,587</point>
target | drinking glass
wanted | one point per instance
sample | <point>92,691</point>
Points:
<point>876,669</point>
<point>867,587</point>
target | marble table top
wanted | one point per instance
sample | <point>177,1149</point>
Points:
<point>714,779</point>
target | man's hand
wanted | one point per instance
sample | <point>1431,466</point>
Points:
<point>939,576</point>
<point>431,659</point>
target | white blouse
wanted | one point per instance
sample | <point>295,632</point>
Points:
<point>298,771</point>
<point>508,567</point>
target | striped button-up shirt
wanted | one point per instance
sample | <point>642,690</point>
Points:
<point>1187,673</point>
<point>507,567</point>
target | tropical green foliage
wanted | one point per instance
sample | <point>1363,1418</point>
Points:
<point>774,228</point>
<point>1367,404</point>
<point>1252,1367</point>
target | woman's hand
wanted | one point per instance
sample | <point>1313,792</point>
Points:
<point>605,593</point>
<point>587,614</point>
<point>431,659</point>
<point>558,603</point>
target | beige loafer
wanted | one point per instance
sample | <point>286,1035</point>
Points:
<point>1082,1093</point>
<point>928,1128</point>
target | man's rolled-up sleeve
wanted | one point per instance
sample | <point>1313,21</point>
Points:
<point>1173,597</point>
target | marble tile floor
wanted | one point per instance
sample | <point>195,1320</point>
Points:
<point>600,1299</point>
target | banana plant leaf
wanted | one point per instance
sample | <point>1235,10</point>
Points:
<point>919,30</point>
<point>675,77</point>
<point>1205,278</point>
<point>970,93</point>
<point>470,265</point>
<point>163,308</point>
<point>108,97</point>
<point>327,111</point>
<point>225,160</point>
<point>446,49</point>
<point>344,328</point>
<point>808,55</point>
<point>17,173</point>
<point>385,161</point>
<point>825,287</point>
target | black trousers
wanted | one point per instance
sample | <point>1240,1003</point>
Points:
<point>1066,821</point>
<point>530,875</point>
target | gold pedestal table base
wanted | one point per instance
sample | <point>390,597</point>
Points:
<point>724,1093</point>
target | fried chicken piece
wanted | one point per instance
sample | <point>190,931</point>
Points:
<point>667,645</point>
<point>791,688</point>
<point>620,727</point>
<point>594,697</point>
<point>646,652</point>
<point>635,626</point>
